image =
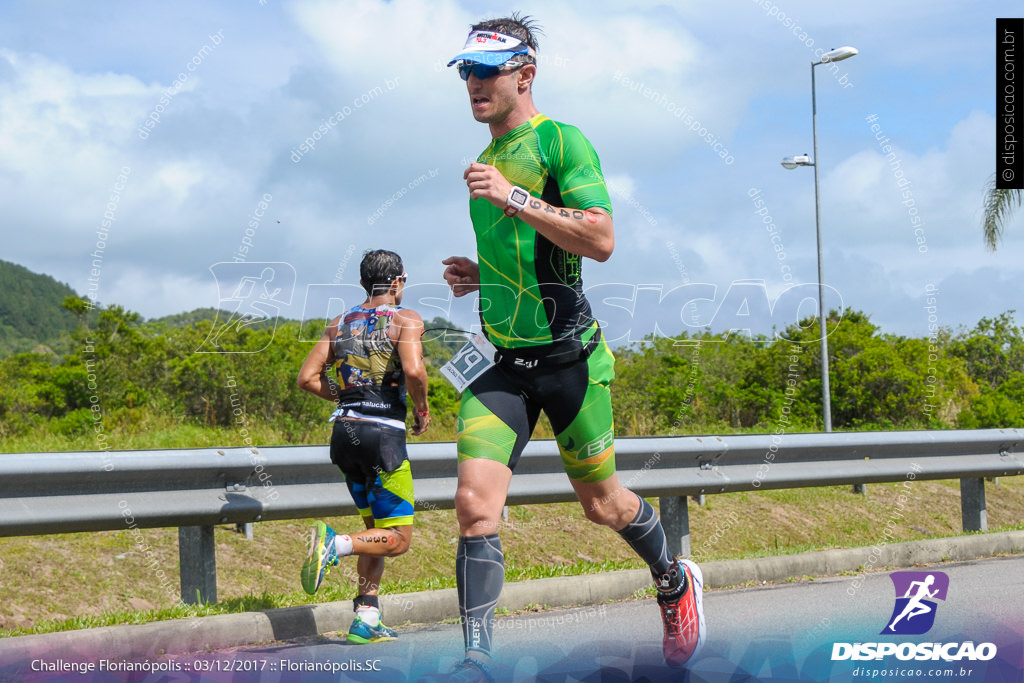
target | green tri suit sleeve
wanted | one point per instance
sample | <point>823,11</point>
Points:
<point>574,164</point>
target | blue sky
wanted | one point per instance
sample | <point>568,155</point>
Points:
<point>78,80</point>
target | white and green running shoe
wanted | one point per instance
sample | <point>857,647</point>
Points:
<point>321,556</point>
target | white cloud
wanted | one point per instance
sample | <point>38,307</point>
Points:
<point>178,177</point>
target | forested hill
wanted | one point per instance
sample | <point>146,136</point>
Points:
<point>186,319</point>
<point>31,313</point>
<point>33,317</point>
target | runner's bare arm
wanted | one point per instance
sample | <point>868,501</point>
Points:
<point>313,375</point>
<point>410,351</point>
<point>587,232</point>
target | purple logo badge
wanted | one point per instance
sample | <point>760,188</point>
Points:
<point>916,593</point>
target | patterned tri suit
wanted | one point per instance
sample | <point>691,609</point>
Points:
<point>551,354</point>
<point>370,450</point>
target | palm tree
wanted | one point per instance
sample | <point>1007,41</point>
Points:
<point>999,206</point>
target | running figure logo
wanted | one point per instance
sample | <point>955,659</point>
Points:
<point>914,612</point>
<point>248,293</point>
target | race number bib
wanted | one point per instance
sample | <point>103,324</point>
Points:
<point>471,361</point>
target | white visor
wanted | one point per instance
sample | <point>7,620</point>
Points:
<point>489,47</point>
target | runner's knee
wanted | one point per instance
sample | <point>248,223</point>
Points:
<point>598,514</point>
<point>402,539</point>
<point>475,513</point>
<point>614,510</point>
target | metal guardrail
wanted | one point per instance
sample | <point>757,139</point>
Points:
<point>42,493</point>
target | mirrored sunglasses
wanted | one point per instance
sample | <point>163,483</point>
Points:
<point>485,71</point>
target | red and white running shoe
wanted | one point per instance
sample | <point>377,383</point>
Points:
<point>684,619</point>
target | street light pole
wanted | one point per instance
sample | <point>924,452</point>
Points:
<point>826,394</point>
<point>790,163</point>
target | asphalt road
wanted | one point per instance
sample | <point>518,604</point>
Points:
<point>771,633</point>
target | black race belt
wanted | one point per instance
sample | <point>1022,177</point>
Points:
<point>549,355</point>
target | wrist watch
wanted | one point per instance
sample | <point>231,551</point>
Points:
<point>516,201</point>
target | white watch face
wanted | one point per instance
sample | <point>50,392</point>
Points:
<point>518,197</point>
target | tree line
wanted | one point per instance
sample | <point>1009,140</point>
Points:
<point>122,374</point>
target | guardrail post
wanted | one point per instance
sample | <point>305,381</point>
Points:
<point>972,505</point>
<point>197,559</point>
<point>675,519</point>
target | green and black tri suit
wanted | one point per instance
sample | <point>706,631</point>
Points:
<point>534,311</point>
<point>535,289</point>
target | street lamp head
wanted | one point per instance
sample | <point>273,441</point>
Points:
<point>838,54</point>
<point>792,162</point>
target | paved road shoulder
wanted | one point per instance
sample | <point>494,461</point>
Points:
<point>234,630</point>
